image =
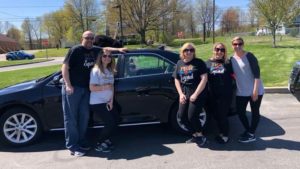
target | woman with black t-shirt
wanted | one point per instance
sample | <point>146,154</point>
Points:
<point>190,81</point>
<point>220,89</point>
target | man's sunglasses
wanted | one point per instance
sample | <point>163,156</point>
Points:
<point>220,49</point>
<point>89,38</point>
<point>192,50</point>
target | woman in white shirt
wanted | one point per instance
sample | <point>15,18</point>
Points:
<point>101,98</point>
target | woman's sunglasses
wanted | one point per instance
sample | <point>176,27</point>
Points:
<point>220,49</point>
<point>105,56</point>
<point>240,44</point>
<point>192,50</point>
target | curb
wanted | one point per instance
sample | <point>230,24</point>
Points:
<point>282,90</point>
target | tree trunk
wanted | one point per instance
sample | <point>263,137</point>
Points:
<point>274,37</point>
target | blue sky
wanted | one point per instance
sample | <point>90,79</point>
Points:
<point>15,11</point>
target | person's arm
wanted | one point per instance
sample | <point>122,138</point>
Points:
<point>200,87</point>
<point>95,87</point>
<point>115,49</point>
<point>182,97</point>
<point>255,90</point>
<point>66,77</point>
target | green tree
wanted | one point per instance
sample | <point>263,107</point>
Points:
<point>277,12</point>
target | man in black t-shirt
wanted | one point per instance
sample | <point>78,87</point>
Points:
<point>75,92</point>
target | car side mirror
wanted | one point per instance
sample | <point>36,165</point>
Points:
<point>57,80</point>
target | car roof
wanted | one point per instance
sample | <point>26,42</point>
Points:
<point>170,55</point>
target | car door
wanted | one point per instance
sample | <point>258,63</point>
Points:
<point>141,88</point>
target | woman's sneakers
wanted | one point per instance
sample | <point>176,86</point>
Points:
<point>247,137</point>
<point>105,146</point>
<point>200,140</point>
<point>222,139</point>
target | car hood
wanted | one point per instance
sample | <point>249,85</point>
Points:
<point>18,87</point>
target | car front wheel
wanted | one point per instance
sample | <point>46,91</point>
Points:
<point>19,126</point>
<point>177,123</point>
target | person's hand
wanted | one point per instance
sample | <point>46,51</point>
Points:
<point>254,96</point>
<point>193,97</point>
<point>69,89</point>
<point>110,105</point>
<point>182,99</point>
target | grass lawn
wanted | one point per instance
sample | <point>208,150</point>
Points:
<point>275,63</point>
<point>18,62</point>
<point>53,52</point>
<point>17,76</point>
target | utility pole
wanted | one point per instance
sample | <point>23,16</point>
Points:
<point>214,10</point>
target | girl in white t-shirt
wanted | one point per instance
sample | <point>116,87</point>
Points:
<point>101,98</point>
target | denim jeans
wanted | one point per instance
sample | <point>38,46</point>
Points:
<point>76,116</point>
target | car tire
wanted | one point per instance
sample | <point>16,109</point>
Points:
<point>19,126</point>
<point>179,126</point>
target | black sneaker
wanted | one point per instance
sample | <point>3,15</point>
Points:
<point>221,140</point>
<point>247,138</point>
<point>201,140</point>
<point>103,147</point>
<point>109,144</point>
<point>191,140</point>
<point>244,134</point>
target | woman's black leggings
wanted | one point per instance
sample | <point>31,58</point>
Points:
<point>241,106</point>
<point>189,114</point>
<point>109,119</point>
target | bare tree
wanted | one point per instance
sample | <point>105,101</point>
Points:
<point>14,33</point>
<point>230,20</point>
<point>27,31</point>
<point>82,13</point>
<point>142,15</point>
<point>277,12</point>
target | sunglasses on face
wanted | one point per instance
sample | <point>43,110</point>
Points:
<point>235,44</point>
<point>220,49</point>
<point>105,56</point>
<point>88,38</point>
<point>192,50</point>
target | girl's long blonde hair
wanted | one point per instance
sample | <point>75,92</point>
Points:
<point>99,64</point>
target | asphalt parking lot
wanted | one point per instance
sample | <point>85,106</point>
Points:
<point>158,147</point>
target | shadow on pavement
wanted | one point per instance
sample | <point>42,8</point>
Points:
<point>142,141</point>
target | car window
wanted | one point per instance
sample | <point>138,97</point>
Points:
<point>146,64</point>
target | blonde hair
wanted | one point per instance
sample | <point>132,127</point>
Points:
<point>237,38</point>
<point>99,64</point>
<point>184,46</point>
<point>225,53</point>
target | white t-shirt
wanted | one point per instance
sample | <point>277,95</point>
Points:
<point>98,78</point>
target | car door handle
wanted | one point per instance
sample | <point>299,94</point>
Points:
<point>142,90</point>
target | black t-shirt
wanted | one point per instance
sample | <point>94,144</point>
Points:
<point>189,74</point>
<point>219,77</point>
<point>81,60</point>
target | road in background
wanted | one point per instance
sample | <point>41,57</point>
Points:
<point>158,147</point>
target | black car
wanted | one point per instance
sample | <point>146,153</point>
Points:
<point>145,94</point>
<point>294,81</point>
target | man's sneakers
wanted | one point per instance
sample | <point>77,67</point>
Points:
<point>200,140</point>
<point>77,153</point>
<point>222,139</point>
<point>247,137</point>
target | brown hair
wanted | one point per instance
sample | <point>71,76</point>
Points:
<point>111,66</point>
<point>184,46</point>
